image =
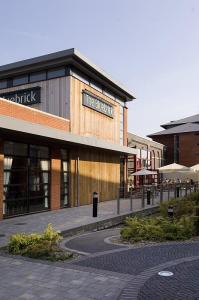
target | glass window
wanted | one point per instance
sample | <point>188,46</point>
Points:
<point>37,76</point>
<point>26,178</point>
<point>64,178</point>
<point>39,151</point>
<point>3,84</point>
<point>64,154</point>
<point>20,80</point>
<point>19,149</point>
<point>56,73</point>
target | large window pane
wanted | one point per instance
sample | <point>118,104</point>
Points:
<point>37,76</point>
<point>20,80</point>
<point>19,149</point>
<point>3,84</point>
<point>39,151</point>
<point>56,73</point>
<point>26,178</point>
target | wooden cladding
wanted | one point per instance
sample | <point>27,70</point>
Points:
<point>99,171</point>
<point>88,122</point>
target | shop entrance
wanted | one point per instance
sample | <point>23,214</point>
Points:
<point>26,178</point>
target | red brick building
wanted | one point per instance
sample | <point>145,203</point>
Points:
<point>181,140</point>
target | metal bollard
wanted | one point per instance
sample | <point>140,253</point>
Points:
<point>148,196</point>
<point>95,204</point>
<point>170,211</point>
<point>177,191</point>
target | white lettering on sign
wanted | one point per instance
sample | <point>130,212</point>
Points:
<point>25,97</point>
<point>97,104</point>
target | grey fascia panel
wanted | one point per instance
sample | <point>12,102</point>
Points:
<point>15,124</point>
<point>37,60</point>
<point>62,55</point>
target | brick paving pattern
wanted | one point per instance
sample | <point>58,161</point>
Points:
<point>183,285</point>
<point>26,280</point>
<point>135,261</point>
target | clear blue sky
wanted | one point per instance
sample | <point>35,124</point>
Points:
<point>152,47</point>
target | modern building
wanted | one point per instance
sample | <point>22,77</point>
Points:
<point>181,139</point>
<point>63,134</point>
<point>149,155</point>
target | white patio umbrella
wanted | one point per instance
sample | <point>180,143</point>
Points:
<point>195,168</point>
<point>174,168</point>
<point>144,172</point>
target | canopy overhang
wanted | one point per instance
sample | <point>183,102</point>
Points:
<point>20,126</point>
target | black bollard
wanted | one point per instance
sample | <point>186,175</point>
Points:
<point>170,211</point>
<point>177,191</point>
<point>148,196</point>
<point>95,203</point>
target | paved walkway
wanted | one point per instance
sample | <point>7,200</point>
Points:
<point>65,219</point>
<point>26,280</point>
<point>142,264</point>
<point>183,285</point>
<point>93,242</point>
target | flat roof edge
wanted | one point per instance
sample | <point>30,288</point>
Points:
<point>71,53</point>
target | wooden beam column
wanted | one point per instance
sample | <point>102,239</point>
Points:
<point>55,178</point>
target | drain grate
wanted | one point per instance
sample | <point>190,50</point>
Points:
<point>165,273</point>
<point>20,223</point>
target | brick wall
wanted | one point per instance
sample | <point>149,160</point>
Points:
<point>22,112</point>
<point>168,141</point>
<point>188,148</point>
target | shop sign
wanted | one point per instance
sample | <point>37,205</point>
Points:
<point>26,97</point>
<point>97,104</point>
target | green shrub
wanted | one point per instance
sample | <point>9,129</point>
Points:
<point>182,207</point>
<point>39,250</point>
<point>19,243</point>
<point>157,229</point>
<point>46,250</point>
<point>51,235</point>
<point>193,197</point>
